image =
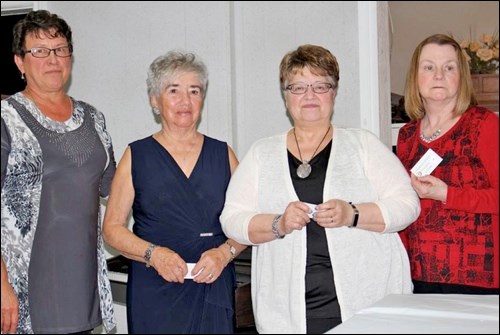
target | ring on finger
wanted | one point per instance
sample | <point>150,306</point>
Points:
<point>210,276</point>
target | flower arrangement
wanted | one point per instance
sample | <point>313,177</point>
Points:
<point>482,55</point>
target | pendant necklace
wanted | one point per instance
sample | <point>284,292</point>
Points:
<point>304,169</point>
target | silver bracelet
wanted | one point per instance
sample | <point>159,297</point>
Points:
<point>274,227</point>
<point>148,253</point>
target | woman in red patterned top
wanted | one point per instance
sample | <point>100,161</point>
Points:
<point>453,245</point>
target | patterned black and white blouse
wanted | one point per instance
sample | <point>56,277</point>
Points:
<point>21,176</point>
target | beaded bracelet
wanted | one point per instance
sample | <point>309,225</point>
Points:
<point>274,227</point>
<point>148,253</point>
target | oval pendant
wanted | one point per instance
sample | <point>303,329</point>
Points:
<point>304,170</point>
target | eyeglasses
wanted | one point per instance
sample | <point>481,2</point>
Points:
<point>45,52</point>
<point>301,88</point>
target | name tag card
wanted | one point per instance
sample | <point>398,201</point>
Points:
<point>190,268</point>
<point>429,161</point>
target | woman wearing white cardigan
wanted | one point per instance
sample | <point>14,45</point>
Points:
<point>321,206</point>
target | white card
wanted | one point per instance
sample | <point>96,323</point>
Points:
<point>429,161</point>
<point>190,268</point>
<point>313,209</point>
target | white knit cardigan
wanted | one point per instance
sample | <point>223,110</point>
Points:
<point>366,265</point>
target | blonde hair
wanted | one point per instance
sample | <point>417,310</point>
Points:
<point>413,101</point>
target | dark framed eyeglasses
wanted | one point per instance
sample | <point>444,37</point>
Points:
<point>301,88</point>
<point>42,52</point>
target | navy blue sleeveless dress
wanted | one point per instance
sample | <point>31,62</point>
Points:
<point>180,213</point>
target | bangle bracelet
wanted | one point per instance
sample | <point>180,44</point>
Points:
<point>148,253</point>
<point>274,227</point>
<point>356,216</point>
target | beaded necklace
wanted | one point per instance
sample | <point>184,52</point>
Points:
<point>428,139</point>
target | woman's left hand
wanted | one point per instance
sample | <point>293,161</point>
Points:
<point>211,264</point>
<point>334,213</point>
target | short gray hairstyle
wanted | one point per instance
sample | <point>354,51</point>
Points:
<point>166,68</point>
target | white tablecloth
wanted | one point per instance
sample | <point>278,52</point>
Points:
<point>426,314</point>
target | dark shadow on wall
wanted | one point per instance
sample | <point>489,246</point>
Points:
<point>11,77</point>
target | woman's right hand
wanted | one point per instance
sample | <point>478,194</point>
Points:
<point>430,187</point>
<point>295,217</point>
<point>169,264</point>
<point>10,309</point>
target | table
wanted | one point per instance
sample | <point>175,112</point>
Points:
<point>426,314</point>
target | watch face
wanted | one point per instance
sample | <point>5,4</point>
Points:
<point>232,250</point>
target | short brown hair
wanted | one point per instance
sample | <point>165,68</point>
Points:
<point>317,59</point>
<point>37,22</point>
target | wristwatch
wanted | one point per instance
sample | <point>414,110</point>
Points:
<point>232,250</point>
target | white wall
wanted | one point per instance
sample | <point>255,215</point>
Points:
<point>263,34</point>
<point>116,41</point>
<point>415,20</point>
<point>241,43</point>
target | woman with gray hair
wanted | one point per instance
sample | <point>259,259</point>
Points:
<point>181,279</point>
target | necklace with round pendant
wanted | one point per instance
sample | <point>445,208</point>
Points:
<point>305,169</point>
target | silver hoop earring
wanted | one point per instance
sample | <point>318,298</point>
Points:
<point>156,111</point>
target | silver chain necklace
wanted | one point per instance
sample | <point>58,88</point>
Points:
<point>304,169</point>
<point>428,139</point>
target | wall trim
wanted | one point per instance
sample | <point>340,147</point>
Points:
<point>368,66</point>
